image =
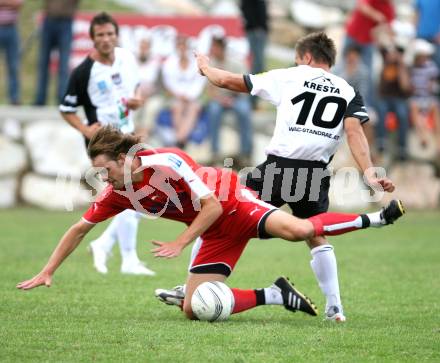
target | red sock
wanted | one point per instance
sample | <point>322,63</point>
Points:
<point>337,223</point>
<point>244,300</point>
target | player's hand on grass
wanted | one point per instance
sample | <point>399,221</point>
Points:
<point>89,131</point>
<point>43,278</point>
<point>167,249</point>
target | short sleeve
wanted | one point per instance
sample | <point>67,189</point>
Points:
<point>266,85</point>
<point>72,98</point>
<point>76,94</point>
<point>357,109</point>
<point>102,209</point>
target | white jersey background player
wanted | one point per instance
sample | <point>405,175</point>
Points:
<point>106,85</point>
<point>314,109</point>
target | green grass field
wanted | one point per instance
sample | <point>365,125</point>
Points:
<point>390,288</point>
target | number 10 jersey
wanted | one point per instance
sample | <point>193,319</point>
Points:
<point>311,107</point>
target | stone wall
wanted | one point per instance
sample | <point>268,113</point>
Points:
<point>42,160</point>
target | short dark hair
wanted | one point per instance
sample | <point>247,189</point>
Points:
<point>220,41</point>
<point>110,142</point>
<point>100,19</point>
<point>319,45</point>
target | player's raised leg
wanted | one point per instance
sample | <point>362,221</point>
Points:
<point>286,226</point>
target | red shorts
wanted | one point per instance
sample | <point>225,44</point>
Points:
<point>218,251</point>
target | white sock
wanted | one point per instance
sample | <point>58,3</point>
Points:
<point>326,271</point>
<point>376,219</point>
<point>108,238</point>
<point>272,296</point>
<point>127,236</point>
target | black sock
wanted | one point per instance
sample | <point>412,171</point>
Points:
<point>365,221</point>
<point>261,299</point>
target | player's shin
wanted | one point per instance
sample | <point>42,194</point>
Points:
<point>338,223</point>
<point>246,299</point>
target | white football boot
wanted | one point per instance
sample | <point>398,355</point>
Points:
<point>175,296</point>
<point>99,257</point>
<point>335,313</point>
<point>137,268</point>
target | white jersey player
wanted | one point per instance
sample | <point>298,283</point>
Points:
<point>314,109</point>
<point>106,85</point>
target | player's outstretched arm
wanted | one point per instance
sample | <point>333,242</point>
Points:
<point>219,77</point>
<point>67,244</point>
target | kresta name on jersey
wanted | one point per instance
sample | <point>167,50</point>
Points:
<point>320,87</point>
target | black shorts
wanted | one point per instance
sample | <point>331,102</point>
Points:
<point>302,184</point>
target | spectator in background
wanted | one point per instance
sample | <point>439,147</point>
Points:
<point>56,33</point>
<point>255,19</point>
<point>10,44</point>
<point>365,18</point>
<point>355,72</point>
<point>149,70</point>
<point>428,24</point>
<point>182,80</point>
<point>394,89</point>
<point>222,100</point>
<point>424,80</point>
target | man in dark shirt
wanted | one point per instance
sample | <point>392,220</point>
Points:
<point>255,18</point>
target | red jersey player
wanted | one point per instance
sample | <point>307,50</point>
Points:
<point>221,213</point>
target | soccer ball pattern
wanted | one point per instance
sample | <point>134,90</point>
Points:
<point>212,301</point>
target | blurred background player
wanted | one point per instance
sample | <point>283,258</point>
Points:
<point>106,85</point>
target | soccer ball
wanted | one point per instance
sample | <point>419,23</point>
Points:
<point>212,301</point>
